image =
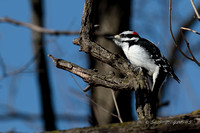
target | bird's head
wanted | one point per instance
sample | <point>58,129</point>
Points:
<point>124,38</point>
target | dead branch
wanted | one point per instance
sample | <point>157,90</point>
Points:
<point>91,100</point>
<point>103,55</point>
<point>116,106</point>
<point>95,78</point>
<point>38,28</point>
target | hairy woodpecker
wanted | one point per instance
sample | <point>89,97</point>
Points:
<point>143,53</point>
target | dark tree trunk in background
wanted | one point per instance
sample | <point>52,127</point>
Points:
<point>113,17</point>
<point>42,74</point>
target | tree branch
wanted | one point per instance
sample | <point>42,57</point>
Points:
<point>180,123</point>
<point>87,44</point>
<point>188,29</point>
<point>189,49</point>
<point>38,28</point>
<point>171,32</point>
<point>103,55</point>
<point>183,28</point>
<point>95,78</point>
<point>195,9</point>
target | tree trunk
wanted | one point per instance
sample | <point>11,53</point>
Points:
<point>42,74</point>
<point>112,16</point>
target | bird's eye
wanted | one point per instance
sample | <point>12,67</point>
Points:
<point>126,35</point>
<point>129,35</point>
<point>122,35</point>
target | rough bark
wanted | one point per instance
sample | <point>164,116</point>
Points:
<point>180,123</point>
<point>94,78</point>
<point>42,75</point>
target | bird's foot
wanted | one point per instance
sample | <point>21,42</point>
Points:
<point>137,70</point>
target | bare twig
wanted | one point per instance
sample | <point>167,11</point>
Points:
<point>198,17</point>
<point>19,70</point>
<point>38,28</point>
<point>3,66</point>
<point>188,29</point>
<point>87,88</point>
<point>8,116</point>
<point>190,51</point>
<point>101,107</point>
<point>182,28</point>
<point>170,29</point>
<point>116,106</point>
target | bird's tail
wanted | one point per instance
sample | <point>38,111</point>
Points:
<point>175,77</point>
<point>159,81</point>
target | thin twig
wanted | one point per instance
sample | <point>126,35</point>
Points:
<point>170,29</point>
<point>38,28</point>
<point>116,106</point>
<point>182,28</point>
<point>188,46</point>
<point>87,88</point>
<point>92,99</point>
<point>19,70</point>
<point>198,17</point>
<point>3,66</point>
<point>188,29</point>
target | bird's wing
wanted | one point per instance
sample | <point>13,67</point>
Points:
<point>158,58</point>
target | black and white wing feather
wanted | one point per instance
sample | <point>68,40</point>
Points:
<point>158,58</point>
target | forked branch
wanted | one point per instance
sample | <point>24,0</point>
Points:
<point>188,45</point>
<point>192,58</point>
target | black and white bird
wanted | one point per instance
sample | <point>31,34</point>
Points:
<point>143,53</point>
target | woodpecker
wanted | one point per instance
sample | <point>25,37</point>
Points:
<point>144,54</point>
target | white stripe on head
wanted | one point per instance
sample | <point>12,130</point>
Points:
<point>127,32</point>
<point>129,36</point>
<point>130,39</point>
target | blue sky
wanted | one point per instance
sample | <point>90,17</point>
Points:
<point>20,92</point>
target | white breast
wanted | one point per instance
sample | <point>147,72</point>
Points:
<point>139,57</point>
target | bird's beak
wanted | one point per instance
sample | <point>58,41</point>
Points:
<point>112,37</point>
<point>109,37</point>
<point>117,36</point>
